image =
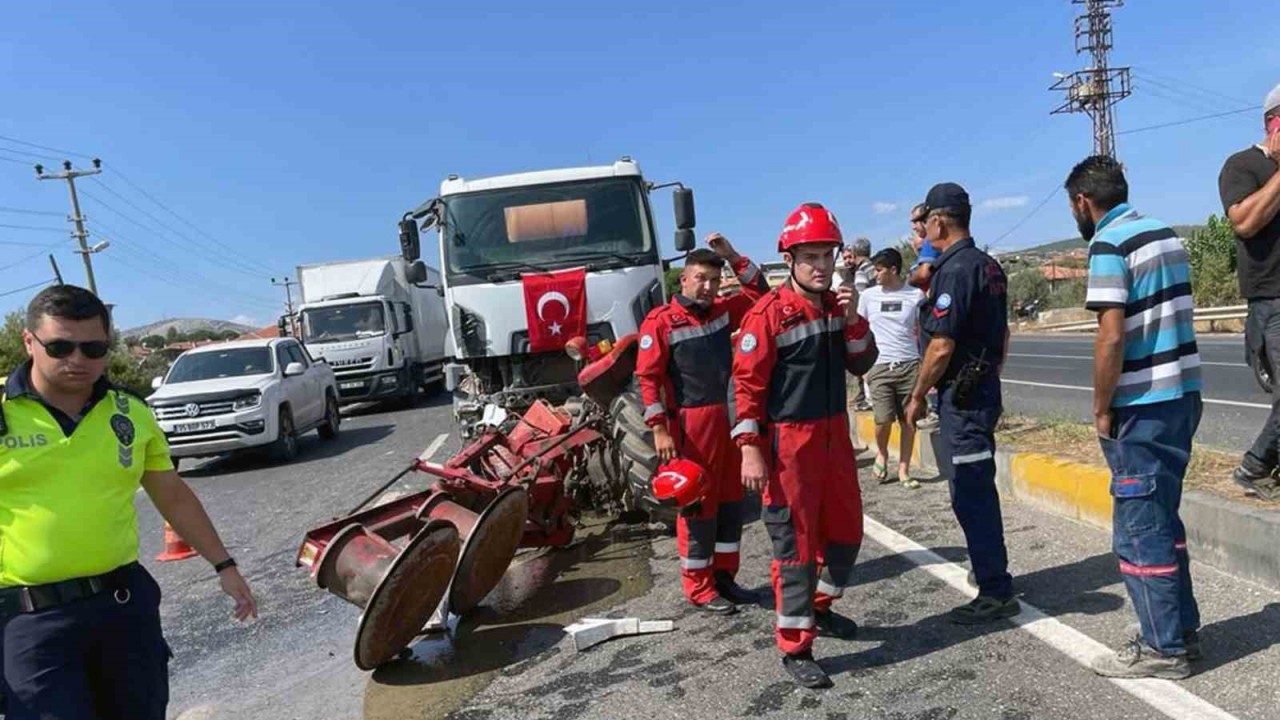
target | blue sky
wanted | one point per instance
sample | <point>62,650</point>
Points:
<point>274,134</point>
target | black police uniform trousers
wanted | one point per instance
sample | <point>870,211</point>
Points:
<point>100,658</point>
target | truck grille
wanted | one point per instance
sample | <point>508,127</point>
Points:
<point>351,365</point>
<point>179,412</point>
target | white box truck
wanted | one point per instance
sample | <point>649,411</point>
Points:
<point>384,336</point>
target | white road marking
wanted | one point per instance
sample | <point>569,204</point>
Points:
<point>1164,695</point>
<point>433,447</point>
<point>1207,401</point>
<point>1090,357</point>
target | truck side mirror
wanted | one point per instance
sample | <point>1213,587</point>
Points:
<point>410,240</point>
<point>156,382</point>
<point>685,242</point>
<point>294,368</point>
<point>682,201</point>
<point>417,272</point>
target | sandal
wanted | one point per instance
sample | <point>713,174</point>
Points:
<point>908,482</point>
<point>880,472</point>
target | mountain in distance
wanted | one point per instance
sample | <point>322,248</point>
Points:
<point>185,326</point>
<point>1069,244</point>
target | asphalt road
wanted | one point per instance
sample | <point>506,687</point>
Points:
<point>1052,376</point>
<point>513,661</point>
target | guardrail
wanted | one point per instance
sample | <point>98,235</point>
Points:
<point>1232,312</point>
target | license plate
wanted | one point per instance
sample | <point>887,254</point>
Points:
<point>195,426</point>
<point>350,385</point>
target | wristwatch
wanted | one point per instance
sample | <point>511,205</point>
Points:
<point>228,563</point>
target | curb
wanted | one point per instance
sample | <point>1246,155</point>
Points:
<point>1237,539</point>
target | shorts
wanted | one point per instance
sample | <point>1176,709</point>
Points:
<point>891,386</point>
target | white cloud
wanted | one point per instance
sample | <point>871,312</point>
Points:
<point>244,320</point>
<point>1003,203</point>
<point>883,208</point>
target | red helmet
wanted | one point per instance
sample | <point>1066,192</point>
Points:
<point>679,482</point>
<point>809,223</point>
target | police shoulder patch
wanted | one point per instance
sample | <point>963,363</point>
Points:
<point>747,343</point>
<point>943,302</point>
<point>646,341</point>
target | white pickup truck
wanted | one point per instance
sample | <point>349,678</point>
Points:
<point>246,394</point>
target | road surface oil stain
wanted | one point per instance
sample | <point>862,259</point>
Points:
<point>523,617</point>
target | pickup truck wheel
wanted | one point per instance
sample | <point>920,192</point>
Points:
<point>285,448</point>
<point>332,418</point>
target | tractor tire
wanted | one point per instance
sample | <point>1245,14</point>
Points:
<point>639,461</point>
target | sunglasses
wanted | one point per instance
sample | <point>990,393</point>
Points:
<point>58,349</point>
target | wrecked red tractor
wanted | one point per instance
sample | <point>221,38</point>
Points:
<point>520,485</point>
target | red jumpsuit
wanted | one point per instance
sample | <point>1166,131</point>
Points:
<point>685,361</point>
<point>789,377</point>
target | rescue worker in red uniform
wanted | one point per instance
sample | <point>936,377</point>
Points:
<point>686,356</point>
<point>790,391</point>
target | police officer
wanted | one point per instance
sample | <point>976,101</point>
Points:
<point>965,321</point>
<point>81,634</point>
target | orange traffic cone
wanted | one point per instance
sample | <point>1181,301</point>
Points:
<point>175,548</point>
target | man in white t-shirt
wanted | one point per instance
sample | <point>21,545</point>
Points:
<point>891,307</point>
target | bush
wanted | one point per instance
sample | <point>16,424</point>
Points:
<point>1026,286</point>
<point>122,368</point>
<point>1211,251</point>
<point>671,279</point>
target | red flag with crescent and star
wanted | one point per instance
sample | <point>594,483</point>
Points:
<point>555,304</point>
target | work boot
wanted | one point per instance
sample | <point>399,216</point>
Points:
<point>718,606</point>
<point>1135,659</point>
<point>806,671</point>
<point>1263,485</point>
<point>1191,641</point>
<point>733,592</point>
<point>831,624</point>
<point>984,609</point>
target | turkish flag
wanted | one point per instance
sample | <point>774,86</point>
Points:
<point>555,305</point>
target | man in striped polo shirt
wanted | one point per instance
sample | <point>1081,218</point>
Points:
<point>1146,404</point>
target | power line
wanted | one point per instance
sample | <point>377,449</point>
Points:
<point>33,228</point>
<point>1188,121</point>
<point>45,147</point>
<point>28,258</point>
<point>1184,96</point>
<point>230,263</point>
<point>27,287</point>
<point>1183,83</point>
<point>183,220</point>
<point>1028,216</point>
<point>1195,103</point>
<point>24,211</point>
<point>37,156</point>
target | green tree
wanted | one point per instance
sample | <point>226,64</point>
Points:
<point>671,280</point>
<point>171,335</point>
<point>1025,286</point>
<point>153,342</point>
<point>1211,251</point>
<point>122,368</point>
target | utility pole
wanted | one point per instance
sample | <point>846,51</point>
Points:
<point>80,233</point>
<point>56,272</point>
<point>287,284</point>
<point>1095,90</point>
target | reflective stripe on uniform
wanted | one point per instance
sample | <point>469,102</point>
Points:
<point>749,273</point>
<point>857,346</point>
<point>827,588</point>
<point>971,458</point>
<point>809,329</point>
<point>795,622</point>
<point>723,547</point>
<point>1127,568</point>
<point>678,336</point>
<point>695,563</point>
<point>745,426</point>
<point>653,411</point>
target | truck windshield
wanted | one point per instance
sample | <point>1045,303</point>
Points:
<point>213,364</point>
<point>544,226</point>
<point>342,322</point>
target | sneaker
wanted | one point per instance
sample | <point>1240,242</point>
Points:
<point>718,606</point>
<point>829,623</point>
<point>984,609</point>
<point>1135,659</point>
<point>806,671</point>
<point>733,592</point>
<point>929,422</point>
<point>1266,487</point>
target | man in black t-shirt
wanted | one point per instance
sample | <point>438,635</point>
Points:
<point>1250,190</point>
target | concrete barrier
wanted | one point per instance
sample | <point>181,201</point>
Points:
<point>1231,536</point>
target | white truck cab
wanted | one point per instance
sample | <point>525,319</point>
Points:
<point>493,231</point>
<point>234,396</point>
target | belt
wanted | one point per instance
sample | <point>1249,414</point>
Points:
<point>33,598</point>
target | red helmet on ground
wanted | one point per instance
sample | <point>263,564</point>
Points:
<point>809,223</point>
<point>679,482</point>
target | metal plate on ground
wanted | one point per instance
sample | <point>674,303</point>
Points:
<point>489,549</point>
<point>407,594</point>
